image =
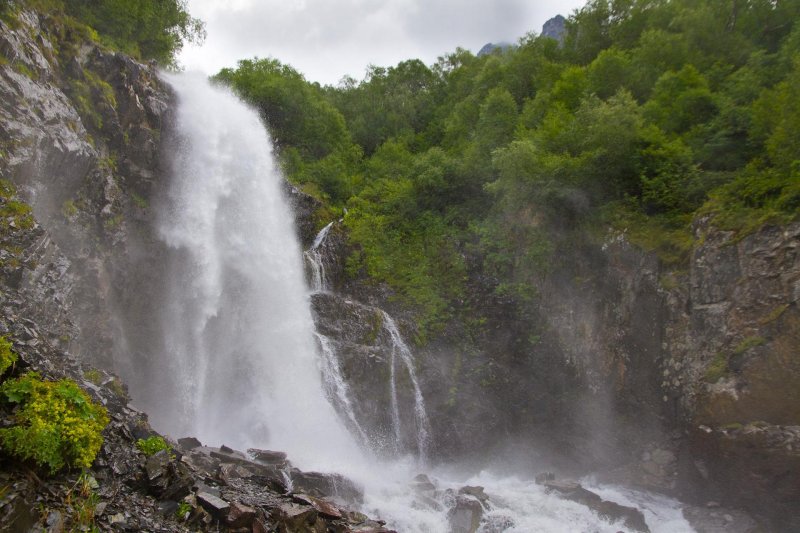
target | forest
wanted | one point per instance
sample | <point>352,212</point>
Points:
<point>649,114</point>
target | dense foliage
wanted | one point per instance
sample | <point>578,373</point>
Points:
<point>649,111</point>
<point>56,423</point>
<point>145,29</point>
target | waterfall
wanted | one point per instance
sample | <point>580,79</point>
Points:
<point>237,361</point>
<point>314,259</point>
<point>239,345</point>
<point>401,350</point>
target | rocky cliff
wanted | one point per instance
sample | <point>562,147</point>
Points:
<point>678,380</point>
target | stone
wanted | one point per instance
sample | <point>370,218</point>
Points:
<point>156,464</point>
<point>228,472</point>
<point>189,443</point>
<point>213,504</point>
<point>324,508</point>
<point>465,516</point>
<point>294,517</point>
<point>240,515</point>
<point>611,511</point>
<point>268,456</point>
<point>55,522</point>
<point>542,478</point>
<point>334,486</point>
<point>476,492</point>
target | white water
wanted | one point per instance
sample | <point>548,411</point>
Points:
<point>239,330</point>
<point>319,281</point>
<point>240,364</point>
<point>422,425</point>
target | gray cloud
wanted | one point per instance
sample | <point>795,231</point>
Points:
<point>326,39</point>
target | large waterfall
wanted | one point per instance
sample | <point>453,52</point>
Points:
<point>238,333</point>
<point>235,358</point>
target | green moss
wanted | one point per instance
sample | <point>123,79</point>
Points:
<point>152,445</point>
<point>24,70</point>
<point>56,423</point>
<point>718,368</point>
<point>7,355</point>
<point>13,213</point>
<point>113,222</point>
<point>748,343</point>
<point>94,376</point>
<point>69,209</point>
<point>668,235</point>
<point>140,202</point>
<point>774,315</point>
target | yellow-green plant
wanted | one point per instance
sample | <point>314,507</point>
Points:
<point>57,423</point>
<point>7,355</point>
<point>152,445</point>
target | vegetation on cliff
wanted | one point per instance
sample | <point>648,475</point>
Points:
<point>648,112</point>
<point>144,29</point>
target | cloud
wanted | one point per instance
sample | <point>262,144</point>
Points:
<point>326,39</point>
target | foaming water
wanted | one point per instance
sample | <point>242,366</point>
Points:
<point>239,362</point>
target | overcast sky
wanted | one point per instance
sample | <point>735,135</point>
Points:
<point>327,39</point>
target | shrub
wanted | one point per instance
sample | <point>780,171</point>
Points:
<point>7,355</point>
<point>152,445</point>
<point>57,424</point>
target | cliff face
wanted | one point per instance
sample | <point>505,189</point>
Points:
<point>80,130</point>
<point>681,381</point>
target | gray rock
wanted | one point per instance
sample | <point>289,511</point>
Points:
<point>465,516</point>
<point>213,504</point>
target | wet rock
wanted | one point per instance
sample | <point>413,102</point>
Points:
<point>325,508</point>
<point>240,515</point>
<point>213,504</point>
<point>268,456</point>
<point>334,486</point>
<point>465,516</point>
<point>189,443</point>
<point>294,517</point>
<point>476,492</point>
<point>613,512</point>
<point>55,522</point>
<point>544,477</point>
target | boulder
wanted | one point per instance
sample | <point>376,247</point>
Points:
<point>335,486</point>
<point>240,515</point>
<point>213,504</point>
<point>465,516</point>
<point>613,512</point>
<point>293,517</point>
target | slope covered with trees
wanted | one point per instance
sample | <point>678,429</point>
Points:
<point>651,112</point>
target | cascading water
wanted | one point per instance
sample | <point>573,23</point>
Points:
<point>238,363</point>
<point>401,350</point>
<point>314,258</point>
<point>237,326</point>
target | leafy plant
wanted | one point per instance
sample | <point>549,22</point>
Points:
<point>57,424</point>
<point>184,508</point>
<point>7,355</point>
<point>152,445</point>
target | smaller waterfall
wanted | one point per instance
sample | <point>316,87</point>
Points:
<point>319,281</point>
<point>401,350</point>
<point>336,387</point>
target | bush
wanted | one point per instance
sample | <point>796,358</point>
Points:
<point>7,356</point>
<point>57,424</point>
<point>152,445</point>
